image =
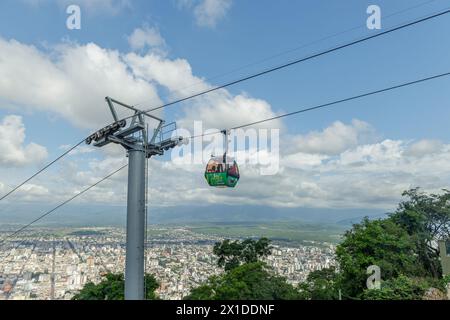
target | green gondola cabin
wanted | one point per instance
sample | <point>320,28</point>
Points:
<point>222,172</point>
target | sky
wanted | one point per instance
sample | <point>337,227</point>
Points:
<point>357,155</point>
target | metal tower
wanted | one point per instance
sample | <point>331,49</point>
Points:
<point>134,137</point>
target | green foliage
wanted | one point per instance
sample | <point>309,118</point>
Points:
<point>233,253</point>
<point>403,246</point>
<point>321,285</point>
<point>446,280</point>
<point>250,281</point>
<point>245,277</point>
<point>400,288</point>
<point>426,218</point>
<point>151,284</point>
<point>112,287</point>
<point>379,242</point>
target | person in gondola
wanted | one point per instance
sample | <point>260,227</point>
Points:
<point>233,171</point>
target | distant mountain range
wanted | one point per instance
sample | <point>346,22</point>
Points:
<point>83,215</point>
<point>259,213</point>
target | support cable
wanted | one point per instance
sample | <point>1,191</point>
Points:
<point>60,205</point>
<point>295,48</point>
<point>329,104</point>
<point>310,57</point>
<point>42,169</point>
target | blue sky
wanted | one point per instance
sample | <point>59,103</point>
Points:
<point>234,34</point>
<point>250,33</point>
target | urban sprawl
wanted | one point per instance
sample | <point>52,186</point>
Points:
<point>49,264</point>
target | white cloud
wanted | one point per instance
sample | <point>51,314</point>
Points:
<point>218,109</point>
<point>147,37</point>
<point>370,176</point>
<point>207,12</point>
<point>358,174</point>
<point>385,151</point>
<point>222,110</point>
<point>303,160</point>
<point>71,81</point>
<point>423,147</point>
<point>175,75</point>
<point>367,175</point>
<point>12,138</point>
<point>72,176</point>
<point>33,190</point>
<point>79,150</point>
<point>335,139</point>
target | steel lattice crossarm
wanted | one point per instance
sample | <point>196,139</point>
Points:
<point>129,137</point>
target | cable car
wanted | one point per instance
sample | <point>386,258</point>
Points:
<point>222,171</point>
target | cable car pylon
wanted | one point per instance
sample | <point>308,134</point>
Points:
<point>134,137</point>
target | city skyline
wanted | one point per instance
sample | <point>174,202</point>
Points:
<point>56,264</point>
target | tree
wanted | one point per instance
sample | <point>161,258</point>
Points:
<point>426,218</point>
<point>245,277</point>
<point>321,285</point>
<point>233,253</point>
<point>250,281</point>
<point>112,287</point>
<point>378,242</point>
